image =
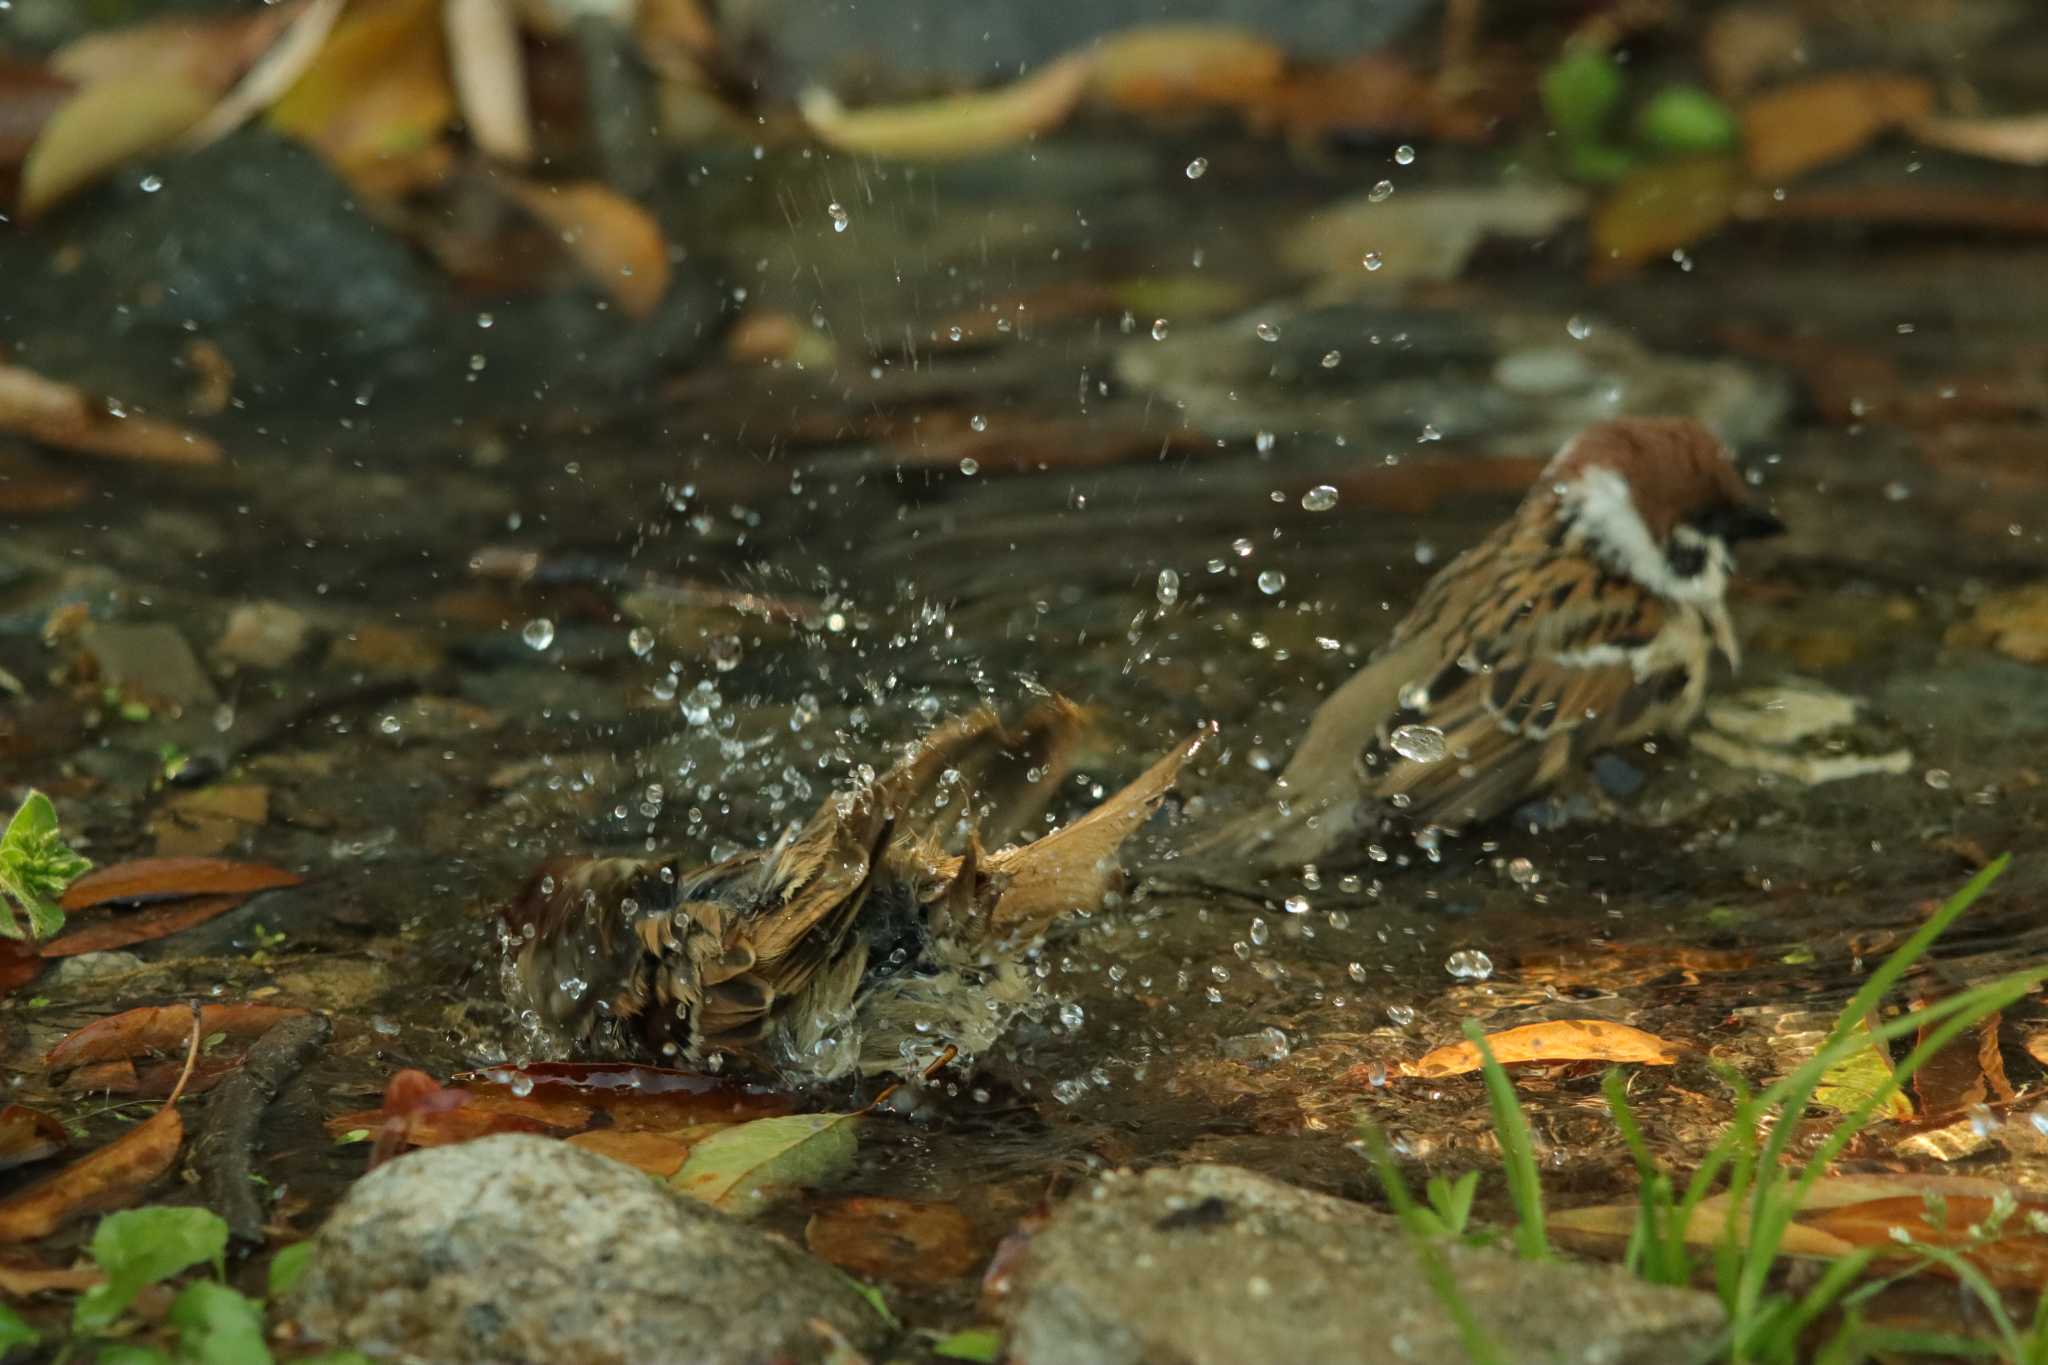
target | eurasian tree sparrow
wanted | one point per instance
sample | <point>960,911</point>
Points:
<point>1587,620</point>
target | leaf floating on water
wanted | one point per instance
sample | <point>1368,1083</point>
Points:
<point>657,1154</point>
<point>161,1028</point>
<point>904,1241</point>
<point>954,126</point>
<point>616,242</point>
<point>143,926</point>
<point>745,1169</point>
<point>1849,1084</point>
<point>1561,1040</point>
<point>1803,126</point>
<point>155,879</point>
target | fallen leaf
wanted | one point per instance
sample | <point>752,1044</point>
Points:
<point>123,1077</point>
<point>1558,1040</point>
<point>1373,94</point>
<point>209,820</point>
<point>2016,1258</point>
<point>28,1135</point>
<point>745,1169</point>
<point>275,72</point>
<point>1419,235</point>
<point>29,94</point>
<point>20,963</point>
<point>67,418</point>
<point>1184,68</point>
<point>206,51</point>
<point>954,126</point>
<point>1847,1085</point>
<point>2022,140</point>
<point>100,127</point>
<point>490,77</point>
<point>1746,44</point>
<point>375,96</point>
<point>904,1241</point>
<point>109,1178</point>
<point>1800,127</point>
<point>637,1098</point>
<point>1954,1078</point>
<point>657,1154</point>
<point>616,242</point>
<point>155,879</point>
<point>2013,622</point>
<point>160,1028</point>
<point>22,1279</point>
<point>1661,208</point>
<point>103,932</point>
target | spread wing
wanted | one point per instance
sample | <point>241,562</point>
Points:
<point>1553,659</point>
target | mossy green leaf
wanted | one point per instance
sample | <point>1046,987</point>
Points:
<point>748,1167</point>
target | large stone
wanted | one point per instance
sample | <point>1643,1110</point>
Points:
<point>1213,1265</point>
<point>517,1248</point>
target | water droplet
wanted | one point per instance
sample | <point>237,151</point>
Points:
<point>1260,930</point>
<point>539,633</point>
<point>1401,1016</point>
<point>1404,155</point>
<point>1522,872</point>
<point>1380,193</point>
<point>1295,905</point>
<point>1356,971</point>
<point>1271,581</point>
<point>726,653</point>
<point>1069,1090</point>
<point>1373,260</point>
<point>1469,964</point>
<point>1332,359</point>
<point>1242,547</point>
<point>969,466</point>
<point>1939,779</point>
<point>1321,498</point>
<point>1159,329</point>
<point>1577,327</point>
<point>1267,331</point>
<point>1198,167</point>
<point>1419,743</point>
<point>390,725</point>
<point>978,422</point>
<point>1169,587</point>
<point>1071,1015</point>
<point>641,641</point>
<point>839,215</point>
<point>150,184</point>
<point>1263,442</point>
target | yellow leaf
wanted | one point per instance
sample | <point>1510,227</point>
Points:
<point>102,126</point>
<point>956,125</point>
<point>616,242</point>
<point>745,1168</point>
<point>1561,1040</point>
<point>1663,207</point>
<point>377,91</point>
<point>1848,1084</point>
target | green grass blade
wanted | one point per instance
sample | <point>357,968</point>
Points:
<point>1657,1250</point>
<point>1518,1151</point>
<point>1479,1343</point>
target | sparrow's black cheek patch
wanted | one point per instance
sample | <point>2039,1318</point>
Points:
<point>1686,561</point>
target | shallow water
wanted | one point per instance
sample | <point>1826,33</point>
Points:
<point>444,755</point>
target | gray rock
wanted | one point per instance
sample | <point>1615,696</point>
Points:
<point>519,1248</point>
<point>1213,1265</point>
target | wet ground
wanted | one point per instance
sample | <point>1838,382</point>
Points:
<point>677,621</point>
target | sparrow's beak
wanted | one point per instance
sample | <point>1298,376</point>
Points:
<point>1735,522</point>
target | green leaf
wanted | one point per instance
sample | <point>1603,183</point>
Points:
<point>218,1326</point>
<point>1847,1085</point>
<point>288,1267</point>
<point>1580,91</point>
<point>15,1331</point>
<point>35,867</point>
<point>971,1343</point>
<point>142,1247</point>
<point>876,1299</point>
<point>746,1168</point>
<point>1685,119</point>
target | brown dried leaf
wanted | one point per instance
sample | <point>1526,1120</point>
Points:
<point>155,879</point>
<point>954,126</point>
<point>638,1098</point>
<point>28,1135</point>
<point>22,1279</point>
<point>1800,127</point>
<point>1185,68</point>
<point>376,96</point>
<point>903,1241</point>
<point>1953,1079</point>
<point>1558,1040</point>
<point>616,242</point>
<point>160,1028</point>
<point>490,77</point>
<point>103,932</point>
<point>67,418</point>
<point>657,1154</point>
<point>1661,208</point>
<point>2022,140</point>
<point>30,93</point>
<point>2016,1259</point>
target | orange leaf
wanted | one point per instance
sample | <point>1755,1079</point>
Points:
<point>902,1240</point>
<point>1799,127</point>
<point>144,926</point>
<point>2015,1259</point>
<point>149,879</point>
<point>1561,1040</point>
<point>655,1153</point>
<point>638,1098</point>
<point>1661,208</point>
<point>160,1028</point>
<point>616,242</point>
<point>68,418</point>
<point>954,125</point>
<point>1183,68</point>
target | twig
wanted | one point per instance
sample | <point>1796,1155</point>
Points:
<point>225,1151</point>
